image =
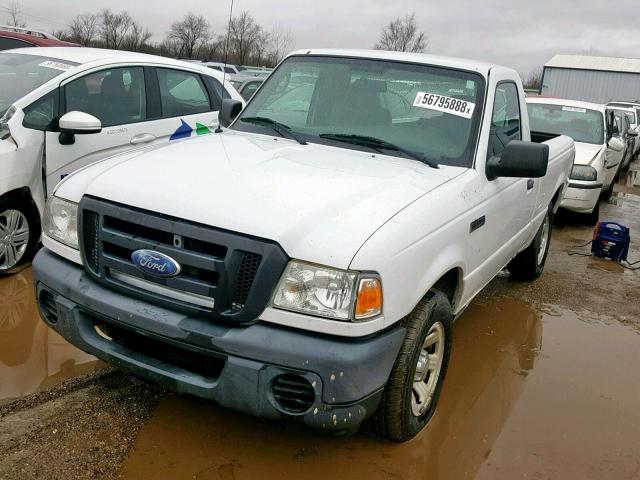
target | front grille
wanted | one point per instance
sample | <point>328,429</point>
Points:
<point>237,272</point>
<point>246,274</point>
<point>293,393</point>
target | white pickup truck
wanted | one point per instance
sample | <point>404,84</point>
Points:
<point>308,262</point>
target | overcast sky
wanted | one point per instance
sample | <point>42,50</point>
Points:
<point>517,33</point>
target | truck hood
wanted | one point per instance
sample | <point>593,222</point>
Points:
<point>586,153</point>
<point>320,203</point>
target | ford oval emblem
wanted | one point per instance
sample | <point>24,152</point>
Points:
<point>155,263</point>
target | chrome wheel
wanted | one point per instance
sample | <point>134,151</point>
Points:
<point>544,239</point>
<point>425,380</point>
<point>14,238</point>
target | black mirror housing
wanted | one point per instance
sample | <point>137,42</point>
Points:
<point>520,160</point>
<point>632,133</point>
<point>229,110</point>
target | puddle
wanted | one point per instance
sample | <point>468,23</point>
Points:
<point>528,395</point>
<point>32,356</point>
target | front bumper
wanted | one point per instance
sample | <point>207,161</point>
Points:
<point>236,366</point>
<point>581,197</point>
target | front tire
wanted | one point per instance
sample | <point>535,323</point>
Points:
<point>412,391</point>
<point>529,263</point>
<point>19,234</point>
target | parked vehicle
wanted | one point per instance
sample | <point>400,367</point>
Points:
<point>632,110</point>
<point>16,37</point>
<point>50,99</point>
<point>622,120</point>
<point>246,85</point>
<point>308,262</point>
<point>599,154</point>
<point>223,67</point>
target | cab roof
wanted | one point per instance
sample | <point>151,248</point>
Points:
<point>426,59</point>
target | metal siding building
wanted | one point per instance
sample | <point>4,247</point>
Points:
<point>592,79</point>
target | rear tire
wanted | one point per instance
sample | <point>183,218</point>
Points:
<point>409,402</point>
<point>19,234</point>
<point>606,195</point>
<point>529,263</point>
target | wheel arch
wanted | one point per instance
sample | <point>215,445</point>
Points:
<point>24,193</point>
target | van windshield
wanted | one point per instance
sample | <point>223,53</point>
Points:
<point>581,124</point>
<point>400,109</point>
<point>21,74</point>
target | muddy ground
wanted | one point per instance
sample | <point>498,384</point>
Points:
<point>543,383</point>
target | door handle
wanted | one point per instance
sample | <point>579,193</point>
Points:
<point>142,138</point>
<point>530,184</point>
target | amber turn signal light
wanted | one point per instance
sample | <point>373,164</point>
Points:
<point>369,302</point>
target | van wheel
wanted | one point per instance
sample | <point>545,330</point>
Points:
<point>19,234</point>
<point>410,397</point>
<point>529,263</point>
<point>606,195</point>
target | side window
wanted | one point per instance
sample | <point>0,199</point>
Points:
<point>249,89</point>
<point>216,92</point>
<point>115,96</point>
<point>8,43</point>
<point>41,113</point>
<point>505,119</point>
<point>181,93</point>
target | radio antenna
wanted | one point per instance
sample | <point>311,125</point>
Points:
<point>226,58</point>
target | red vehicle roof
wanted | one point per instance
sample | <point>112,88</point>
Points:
<point>36,41</point>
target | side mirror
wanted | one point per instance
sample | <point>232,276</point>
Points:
<point>616,144</point>
<point>520,160</point>
<point>77,123</point>
<point>229,110</point>
<point>632,133</point>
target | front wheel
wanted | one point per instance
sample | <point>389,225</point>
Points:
<point>412,391</point>
<point>529,263</point>
<point>19,234</point>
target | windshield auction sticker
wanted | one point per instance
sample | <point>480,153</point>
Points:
<point>56,65</point>
<point>574,109</point>
<point>434,101</point>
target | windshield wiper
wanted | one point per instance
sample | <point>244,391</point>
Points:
<point>377,144</point>
<point>282,129</point>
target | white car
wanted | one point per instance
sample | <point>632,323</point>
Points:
<point>633,111</point>
<point>64,108</point>
<point>599,154</point>
<point>308,262</point>
<point>223,67</point>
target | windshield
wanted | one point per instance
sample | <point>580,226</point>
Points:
<point>21,74</point>
<point>581,124</point>
<point>433,112</point>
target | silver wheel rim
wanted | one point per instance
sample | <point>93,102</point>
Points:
<point>425,380</point>
<point>544,239</point>
<point>14,238</point>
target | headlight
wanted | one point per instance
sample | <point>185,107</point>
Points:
<point>584,172</point>
<point>328,292</point>
<point>61,221</point>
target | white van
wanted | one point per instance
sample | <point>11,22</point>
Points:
<point>50,99</point>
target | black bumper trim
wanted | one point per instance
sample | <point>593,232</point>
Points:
<point>585,187</point>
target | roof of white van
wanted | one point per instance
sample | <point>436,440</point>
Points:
<point>452,62</point>
<point>86,55</point>
<point>567,103</point>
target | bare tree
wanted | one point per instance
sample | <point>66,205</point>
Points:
<point>137,37</point>
<point>243,35</point>
<point>402,35</point>
<point>84,29</point>
<point>280,43</point>
<point>189,33</point>
<point>15,15</point>
<point>115,28</point>
<point>533,79</point>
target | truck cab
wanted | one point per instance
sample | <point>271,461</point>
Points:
<point>307,262</point>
